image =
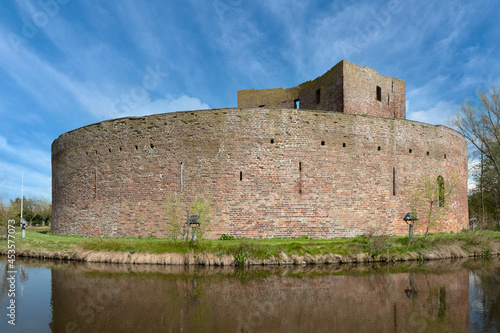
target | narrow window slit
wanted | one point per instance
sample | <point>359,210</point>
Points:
<point>241,175</point>
<point>272,140</point>
<point>343,145</point>
<point>393,181</point>
<point>409,150</point>
<point>318,96</point>
<point>379,94</point>
<point>182,167</point>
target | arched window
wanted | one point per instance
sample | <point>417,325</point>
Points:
<point>440,191</point>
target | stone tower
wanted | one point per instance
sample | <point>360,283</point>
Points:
<point>346,88</point>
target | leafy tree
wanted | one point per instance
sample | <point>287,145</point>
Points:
<point>431,201</point>
<point>484,199</point>
<point>202,207</point>
<point>175,221</point>
<point>177,213</point>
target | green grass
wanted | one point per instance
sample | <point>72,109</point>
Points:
<point>243,248</point>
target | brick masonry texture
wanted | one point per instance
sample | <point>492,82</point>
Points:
<point>270,172</point>
<point>346,88</point>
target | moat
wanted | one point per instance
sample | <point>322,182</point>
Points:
<point>434,296</point>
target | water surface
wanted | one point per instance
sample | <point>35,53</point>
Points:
<point>437,296</point>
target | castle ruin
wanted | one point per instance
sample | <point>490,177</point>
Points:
<point>332,157</point>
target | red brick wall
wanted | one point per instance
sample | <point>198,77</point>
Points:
<point>346,88</point>
<point>322,175</point>
<point>360,93</point>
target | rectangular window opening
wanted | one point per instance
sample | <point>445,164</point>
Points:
<point>379,94</point>
<point>296,104</point>
<point>300,166</point>
<point>392,86</point>
<point>272,140</point>
<point>241,175</point>
<point>343,145</point>
<point>379,148</point>
<point>322,143</point>
<point>318,96</point>
<point>388,99</point>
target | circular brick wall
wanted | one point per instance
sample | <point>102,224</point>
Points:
<point>269,172</point>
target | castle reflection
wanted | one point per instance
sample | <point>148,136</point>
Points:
<point>431,297</point>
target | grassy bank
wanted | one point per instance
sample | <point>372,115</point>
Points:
<point>40,243</point>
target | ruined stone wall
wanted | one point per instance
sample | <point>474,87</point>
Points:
<point>270,172</point>
<point>268,98</point>
<point>324,93</point>
<point>361,96</point>
<point>346,88</point>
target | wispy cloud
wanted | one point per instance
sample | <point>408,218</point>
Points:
<point>437,114</point>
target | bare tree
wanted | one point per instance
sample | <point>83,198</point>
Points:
<point>480,124</point>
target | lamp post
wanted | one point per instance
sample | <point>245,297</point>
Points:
<point>409,218</point>
<point>23,224</point>
<point>193,221</point>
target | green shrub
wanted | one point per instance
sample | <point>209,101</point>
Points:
<point>227,237</point>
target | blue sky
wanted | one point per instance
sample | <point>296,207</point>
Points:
<point>69,63</point>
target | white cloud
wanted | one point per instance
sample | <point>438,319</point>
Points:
<point>439,113</point>
<point>164,105</point>
<point>36,184</point>
<point>471,183</point>
<point>24,154</point>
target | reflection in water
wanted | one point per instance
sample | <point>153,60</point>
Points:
<point>410,297</point>
<point>33,312</point>
<point>484,296</point>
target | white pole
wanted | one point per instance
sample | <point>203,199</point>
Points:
<point>22,198</point>
<point>22,193</point>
